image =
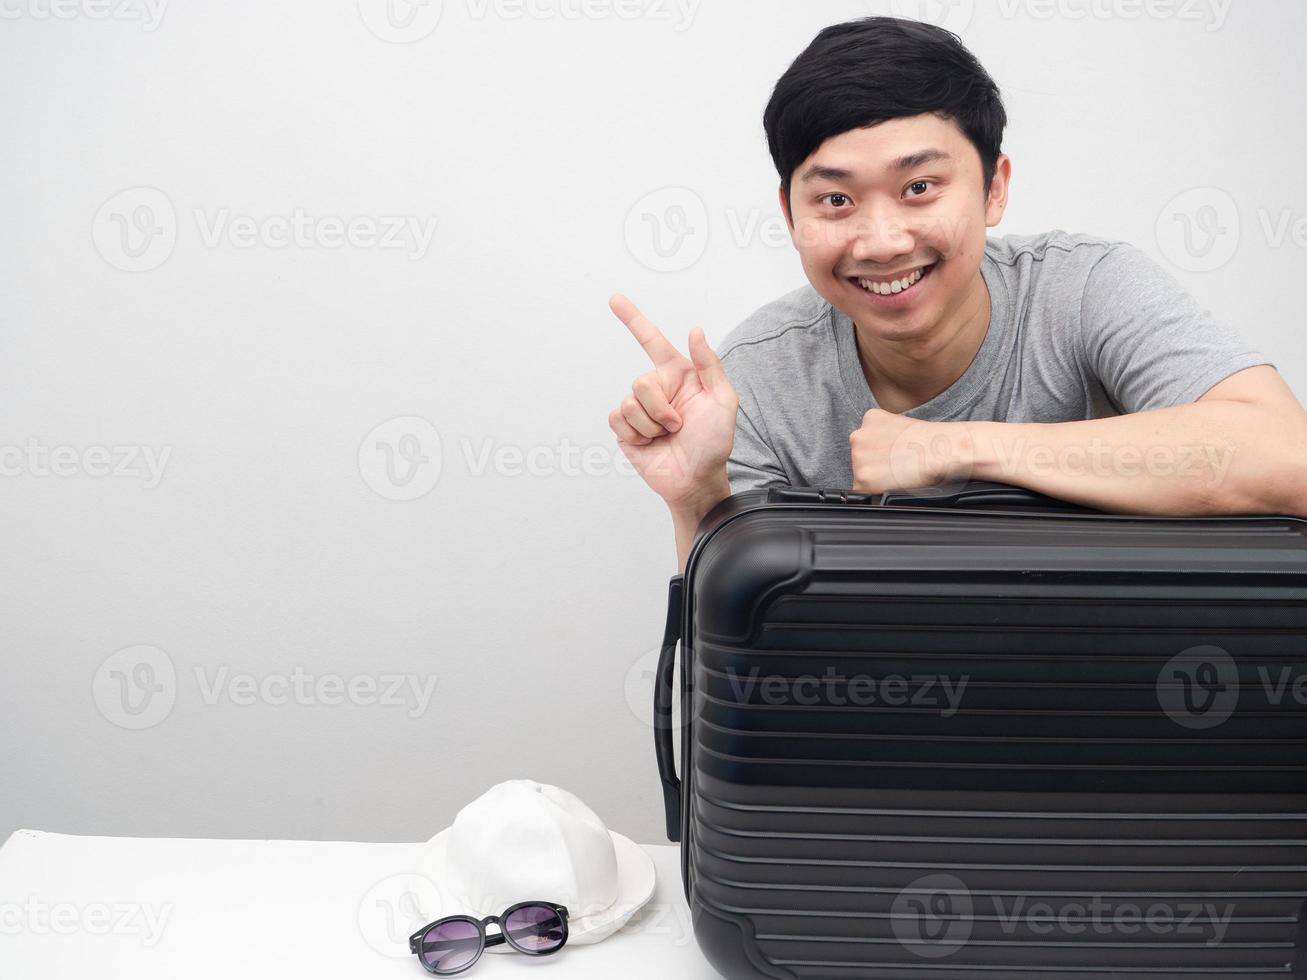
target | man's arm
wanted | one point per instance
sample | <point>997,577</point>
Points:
<point>686,515</point>
<point>752,464</point>
<point>1240,449</point>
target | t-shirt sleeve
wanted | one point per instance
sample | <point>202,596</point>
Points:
<point>1149,343</point>
<point>752,464</point>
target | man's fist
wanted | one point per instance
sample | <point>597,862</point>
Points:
<point>677,426</point>
<point>891,452</point>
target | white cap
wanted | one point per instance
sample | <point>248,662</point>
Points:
<point>524,840</point>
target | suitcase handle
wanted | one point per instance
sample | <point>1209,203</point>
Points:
<point>975,493</point>
<point>663,709</point>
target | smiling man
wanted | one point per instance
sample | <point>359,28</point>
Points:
<point>924,351</point>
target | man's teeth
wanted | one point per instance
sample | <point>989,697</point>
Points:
<point>894,286</point>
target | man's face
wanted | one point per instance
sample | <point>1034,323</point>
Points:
<point>862,208</point>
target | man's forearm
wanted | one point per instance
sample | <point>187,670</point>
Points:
<point>1216,457</point>
<point>686,515</point>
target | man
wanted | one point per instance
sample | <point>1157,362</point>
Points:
<point>923,352</point>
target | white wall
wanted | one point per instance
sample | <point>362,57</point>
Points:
<point>527,136</point>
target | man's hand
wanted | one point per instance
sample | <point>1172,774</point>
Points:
<point>677,426</point>
<point>891,452</point>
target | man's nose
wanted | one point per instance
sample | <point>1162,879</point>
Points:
<point>881,239</point>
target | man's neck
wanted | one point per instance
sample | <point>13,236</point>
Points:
<point>905,374</point>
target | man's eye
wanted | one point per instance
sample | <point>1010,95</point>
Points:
<point>832,198</point>
<point>919,183</point>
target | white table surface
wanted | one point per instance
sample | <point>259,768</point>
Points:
<point>178,909</point>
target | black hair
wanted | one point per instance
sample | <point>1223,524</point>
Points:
<point>866,71</point>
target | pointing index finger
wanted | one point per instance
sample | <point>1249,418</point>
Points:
<point>658,347</point>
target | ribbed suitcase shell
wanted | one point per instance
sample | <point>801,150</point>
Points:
<point>1074,818</point>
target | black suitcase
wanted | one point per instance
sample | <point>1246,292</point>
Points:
<point>988,734</point>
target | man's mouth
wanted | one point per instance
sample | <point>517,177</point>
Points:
<point>893,285</point>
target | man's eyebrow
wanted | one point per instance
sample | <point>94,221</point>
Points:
<point>819,172</point>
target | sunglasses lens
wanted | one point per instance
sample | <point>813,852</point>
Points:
<point>451,946</point>
<point>535,928</point>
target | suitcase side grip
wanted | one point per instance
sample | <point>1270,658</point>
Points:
<point>663,709</point>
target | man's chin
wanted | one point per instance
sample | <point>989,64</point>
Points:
<point>900,331</point>
<point>904,325</point>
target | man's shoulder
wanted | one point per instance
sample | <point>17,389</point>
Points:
<point>1064,250</point>
<point>789,319</point>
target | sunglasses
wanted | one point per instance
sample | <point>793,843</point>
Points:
<point>452,944</point>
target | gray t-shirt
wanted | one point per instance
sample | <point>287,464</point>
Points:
<point>1080,327</point>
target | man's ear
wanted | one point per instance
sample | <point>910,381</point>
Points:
<point>998,188</point>
<point>785,208</point>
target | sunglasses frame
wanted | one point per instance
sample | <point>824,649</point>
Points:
<point>486,939</point>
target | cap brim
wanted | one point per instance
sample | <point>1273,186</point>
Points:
<point>635,886</point>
